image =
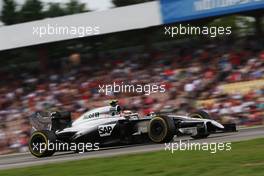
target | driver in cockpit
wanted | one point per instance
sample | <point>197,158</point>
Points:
<point>115,109</point>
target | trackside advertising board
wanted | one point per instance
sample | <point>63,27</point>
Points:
<point>182,10</point>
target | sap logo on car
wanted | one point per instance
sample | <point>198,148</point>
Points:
<point>105,130</point>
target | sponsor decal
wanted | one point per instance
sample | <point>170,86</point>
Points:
<point>92,115</point>
<point>105,130</point>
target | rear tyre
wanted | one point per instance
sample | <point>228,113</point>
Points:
<point>38,143</point>
<point>201,131</point>
<point>161,129</point>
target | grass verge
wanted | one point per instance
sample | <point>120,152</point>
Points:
<point>245,159</point>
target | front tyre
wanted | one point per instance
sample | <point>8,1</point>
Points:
<point>201,130</point>
<point>200,134</point>
<point>200,114</point>
<point>39,141</point>
<point>161,129</point>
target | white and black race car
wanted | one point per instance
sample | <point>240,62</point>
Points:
<point>108,126</point>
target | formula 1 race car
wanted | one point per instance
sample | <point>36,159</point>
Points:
<point>108,126</point>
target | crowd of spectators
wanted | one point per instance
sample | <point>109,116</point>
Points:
<point>190,73</point>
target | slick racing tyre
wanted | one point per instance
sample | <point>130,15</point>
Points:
<point>201,130</point>
<point>201,133</point>
<point>200,114</point>
<point>161,129</point>
<point>38,143</point>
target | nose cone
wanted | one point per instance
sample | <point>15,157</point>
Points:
<point>217,124</point>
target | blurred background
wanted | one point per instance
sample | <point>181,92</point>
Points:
<point>223,75</point>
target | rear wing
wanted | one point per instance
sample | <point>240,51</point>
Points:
<point>40,121</point>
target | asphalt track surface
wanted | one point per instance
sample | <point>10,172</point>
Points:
<point>26,159</point>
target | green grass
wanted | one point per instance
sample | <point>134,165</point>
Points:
<point>245,159</point>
